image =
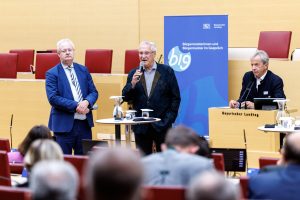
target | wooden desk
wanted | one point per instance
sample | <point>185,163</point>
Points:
<point>227,127</point>
<point>26,99</point>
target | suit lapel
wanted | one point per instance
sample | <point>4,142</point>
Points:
<point>79,78</point>
<point>143,82</point>
<point>155,80</point>
<point>64,78</point>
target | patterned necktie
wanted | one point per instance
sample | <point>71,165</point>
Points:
<point>75,83</point>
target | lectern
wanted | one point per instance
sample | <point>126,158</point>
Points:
<point>227,127</point>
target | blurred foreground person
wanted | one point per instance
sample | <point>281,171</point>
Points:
<point>114,174</point>
<point>212,185</point>
<point>54,180</point>
<point>178,163</point>
<point>281,182</point>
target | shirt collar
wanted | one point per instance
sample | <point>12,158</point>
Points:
<point>154,67</point>
<point>66,66</point>
<point>263,76</point>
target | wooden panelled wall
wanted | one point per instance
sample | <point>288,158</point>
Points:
<point>122,24</point>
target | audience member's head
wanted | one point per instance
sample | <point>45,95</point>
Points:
<point>183,139</point>
<point>36,132</point>
<point>54,180</point>
<point>114,174</point>
<point>212,185</point>
<point>204,149</point>
<point>291,149</point>
<point>42,150</point>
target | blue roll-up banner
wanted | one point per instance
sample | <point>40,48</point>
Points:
<point>196,47</point>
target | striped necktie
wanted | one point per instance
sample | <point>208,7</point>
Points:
<point>75,83</point>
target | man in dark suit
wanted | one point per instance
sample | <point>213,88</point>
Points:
<point>72,94</point>
<point>282,183</point>
<point>154,87</point>
<point>259,83</point>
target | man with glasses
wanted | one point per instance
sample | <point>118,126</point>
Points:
<point>153,86</point>
<point>71,93</point>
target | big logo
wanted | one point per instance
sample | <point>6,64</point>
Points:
<point>179,61</point>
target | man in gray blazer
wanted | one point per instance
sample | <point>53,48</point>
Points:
<point>177,164</point>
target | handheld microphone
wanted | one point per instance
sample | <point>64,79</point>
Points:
<point>141,68</point>
<point>95,107</point>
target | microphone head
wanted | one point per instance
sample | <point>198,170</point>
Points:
<point>141,67</point>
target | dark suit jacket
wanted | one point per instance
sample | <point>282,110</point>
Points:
<point>277,184</point>
<point>270,87</point>
<point>164,97</point>
<point>60,96</point>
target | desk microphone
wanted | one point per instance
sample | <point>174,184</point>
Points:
<point>32,69</point>
<point>245,142</point>
<point>160,57</point>
<point>10,130</point>
<point>246,92</point>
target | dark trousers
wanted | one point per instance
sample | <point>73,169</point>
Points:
<point>72,140</point>
<point>145,140</point>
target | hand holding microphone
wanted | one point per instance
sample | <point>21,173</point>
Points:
<point>137,75</point>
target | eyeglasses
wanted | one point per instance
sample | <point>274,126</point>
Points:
<point>66,50</point>
<point>146,53</point>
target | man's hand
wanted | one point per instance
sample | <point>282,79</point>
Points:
<point>233,104</point>
<point>136,78</point>
<point>250,104</point>
<point>82,107</point>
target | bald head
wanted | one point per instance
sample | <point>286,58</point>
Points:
<point>114,174</point>
<point>291,148</point>
<point>212,185</point>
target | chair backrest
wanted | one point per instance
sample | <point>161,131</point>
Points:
<point>275,43</point>
<point>16,168</point>
<point>98,60</point>
<point>163,193</point>
<point>131,60</point>
<point>218,159</point>
<point>4,169</point>
<point>52,50</point>
<point>25,59</point>
<point>79,163</point>
<point>88,144</point>
<point>295,55</point>
<point>8,65</point>
<point>12,193</point>
<point>266,161</point>
<point>244,180</point>
<point>43,62</point>
<point>4,145</point>
<point>241,53</point>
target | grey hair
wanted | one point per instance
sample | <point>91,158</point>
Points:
<point>149,43</point>
<point>42,149</point>
<point>263,56</point>
<point>212,185</point>
<point>55,180</point>
<point>65,40</point>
